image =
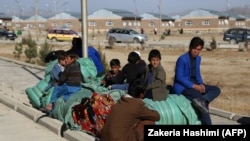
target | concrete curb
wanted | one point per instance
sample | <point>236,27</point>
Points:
<point>244,119</point>
<point>53,125</point>
<point>22,63</point>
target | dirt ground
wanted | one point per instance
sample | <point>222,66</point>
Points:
<point>227,68</point>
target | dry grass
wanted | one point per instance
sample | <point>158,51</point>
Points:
<point>229,69</point>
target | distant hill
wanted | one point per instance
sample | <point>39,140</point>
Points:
<point>245,11</point>
<point>240,10</point>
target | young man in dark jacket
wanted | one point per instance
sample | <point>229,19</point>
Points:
<point>188,80</point>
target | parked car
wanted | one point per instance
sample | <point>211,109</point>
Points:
<point>236,35</point>
<point>61,34</point>
<point>5,34</point>
<point>125,35</point>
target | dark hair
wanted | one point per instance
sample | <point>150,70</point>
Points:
<point>114,62</point>
<point>196,41</point>
<point>72,54</point>
<point>76,42</point>
<point>61,55</point>
<point>154,53</point>
<point>133,57</point>
<point>77,46</point>
<point>137,87</point>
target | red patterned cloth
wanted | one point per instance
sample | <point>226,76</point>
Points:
<point>92,112</point>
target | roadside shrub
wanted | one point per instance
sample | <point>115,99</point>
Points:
<point>213,44</point>
<point>93,34</point>
<point>31,51</point>
<point>43,52</point>
<point>167,32</point>
<point>163,36</point>
<point>18,50</point>
<point>181,31</point>
<point>246,44</point>
<point>103,59</point>
<point>24,41</point>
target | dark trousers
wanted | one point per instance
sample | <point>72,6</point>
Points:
<point>211,93</point>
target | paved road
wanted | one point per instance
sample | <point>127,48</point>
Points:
<point>14,80</point>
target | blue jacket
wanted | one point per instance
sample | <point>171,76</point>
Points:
<point>54,76</point>
<point>183,73</point>
<point>95,56</point>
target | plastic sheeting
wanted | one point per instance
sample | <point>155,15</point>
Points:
<point>176,109</point>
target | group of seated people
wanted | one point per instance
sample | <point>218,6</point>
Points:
<point>140,80</point>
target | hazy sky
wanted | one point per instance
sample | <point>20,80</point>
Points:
<point>136,6</point>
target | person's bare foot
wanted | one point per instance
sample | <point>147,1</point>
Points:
<point>49,107</point>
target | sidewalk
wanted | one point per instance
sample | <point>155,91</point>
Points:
<point>15,126</point>
<point>13,82</point>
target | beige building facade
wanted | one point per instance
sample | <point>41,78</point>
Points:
<point>102,20</point>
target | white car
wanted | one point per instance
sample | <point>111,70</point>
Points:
<point>125,35</point>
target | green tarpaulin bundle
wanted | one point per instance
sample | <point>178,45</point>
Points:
<point>176,109</point>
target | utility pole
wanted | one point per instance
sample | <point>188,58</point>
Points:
<point>136,12</point>
<point>37,27</point>
<point>55,4</point>
<point>84,28</point>
<point>160,4</point>
<point>19,7</point>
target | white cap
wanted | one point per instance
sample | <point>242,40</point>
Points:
<point>138,52</point>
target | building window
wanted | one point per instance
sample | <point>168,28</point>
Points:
<point>188,23</point>
<point>226,22</point>
<point>138,23</point>
<point>92,23</point>
<point>109,23</point>
<point>205,22</point>
<point>135,23</point>
<point>8,24</point>
<point>240,23</point>
<point>40,25</point>
<point>17,25</point>
<point>129,23</point>
<point>68,24</point>
<point>151,24</point>
<point>124,23</point>
<point>171,23</point>
<point>54,24</point>
<point>29,25</point>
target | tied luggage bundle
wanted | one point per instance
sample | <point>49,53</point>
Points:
<point>92,112</point>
